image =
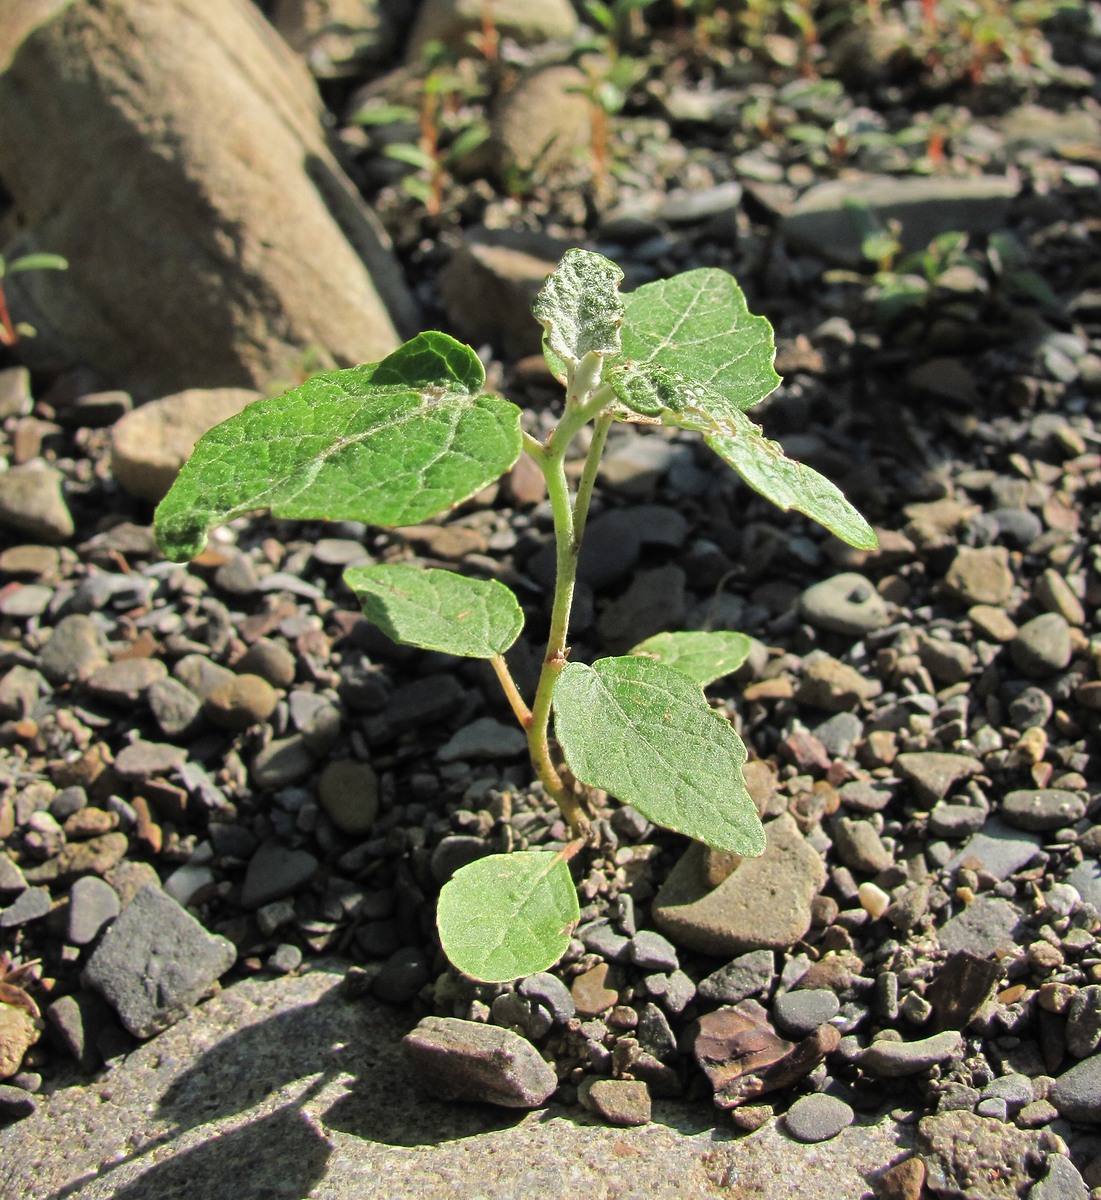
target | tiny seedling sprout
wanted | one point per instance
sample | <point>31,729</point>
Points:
<point>396,442</point>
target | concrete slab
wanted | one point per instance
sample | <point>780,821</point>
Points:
<point>282,1088</point>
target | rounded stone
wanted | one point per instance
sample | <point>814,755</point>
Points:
<point>240,702</point>
<point>817,1118</point>
<point>1041,810</point>
<point>269,660</point>
<point>981,576</point>
<point>1042,646</point>
<point>348,791</point>
<point>847,603</point>
<point>801,1012</point>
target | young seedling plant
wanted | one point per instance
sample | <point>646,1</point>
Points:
<point>395,442</point>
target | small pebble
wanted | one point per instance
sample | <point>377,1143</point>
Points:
<point>817,1118</point>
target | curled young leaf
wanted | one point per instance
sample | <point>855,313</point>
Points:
<point>580,309</point>
<point>703,655</point>
<point>438,610</point>
<point>508,915</point>
<point>645,733</point>
<point>391,443</point>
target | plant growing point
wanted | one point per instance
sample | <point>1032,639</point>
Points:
<point>396,442</point>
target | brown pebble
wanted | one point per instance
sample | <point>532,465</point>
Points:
<point>620,1102</point>
<point>903,1181</point>
<point>751,1117</point>
<point>591,994</point>
<point>148,832</point>
<point>90,822</point>
<point>240,702</point>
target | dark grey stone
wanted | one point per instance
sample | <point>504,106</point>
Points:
<point>275,871</point>
<point>15,1103</point>
<point>747,975</point>
<point>654,1032</point>
<point>1077,1092</point>
<point>984,927</point>
<point>155,962</point>
<point>30,905</point>
<point>1002,851</point>
<point>1083,1029</point>
<point>1041,646</point>
<point>551,993</point>
<point>600,938</point>
<point>892,1060</point>
<point>801,1012</point>
<point>1041,810</point>
<point>653,952</point>
<point>92,903</point>
<point>402,976</point>
<point>78,1020</point>
<point>11,877</point>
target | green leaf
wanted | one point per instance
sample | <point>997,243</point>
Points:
<point>703,655</point>
<point>38,262</point>
<point>391,443</point>
<point>438,610</point>
<point>644,732</point>
<point>508,915</point>
<point>580,308</point>
<point>694,330</point>
<point>413,156</point>
<point>385,114</point>
<point>790,484</point>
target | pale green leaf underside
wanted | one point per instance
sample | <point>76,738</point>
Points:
<point>696,328</point>
<point>740,442</point>
<point>645,733</point>
<point>580,309</point>
<point>438,610</point>
<point>390,443</point>
<point>508,915</point>
<point>790,484</point>
<point>701,654</point>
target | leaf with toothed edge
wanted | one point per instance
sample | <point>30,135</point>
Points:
<point>701,654</point>
<point>391,443</point>
<point>580,309</point>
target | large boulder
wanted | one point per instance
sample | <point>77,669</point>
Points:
<point>173,151</point>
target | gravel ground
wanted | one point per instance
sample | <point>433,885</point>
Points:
<point>220,770</point>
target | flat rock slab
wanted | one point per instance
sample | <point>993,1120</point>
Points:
<point>338,1118</point>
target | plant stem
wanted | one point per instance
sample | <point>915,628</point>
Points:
<point>587,400</point>
<point>512,692</point>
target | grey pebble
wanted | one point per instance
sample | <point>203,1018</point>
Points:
<point>847,603</point>
<point>485,738</point>
<point>29,905</point>
<point>68,801</point>
<point>126,682</point>
<point>987,925</point>
<point>1041,646</point>
<point>956,820</point>
<point>1083,1029</point>
<point>402,976</point>
<point>1040,810</point>
<point>282,762</point>
<point>201,676</point>
<point>817,1117</point>
<point>275,871</point>
<point>92,903</point>
<point>11,877</point>
<point>30,600</point>
<point>859,847</point>
<point>993,1106</point>
<point>654,1032</point>
<point>600,938</point>
<point>675,990</point>
<point>1061,1182</point>
<point>454,852</point>
<point>747,975</point>
<point>15,1103</point>
<point>1016,1090</point>
<point>1077,1092</point>
<point>32,503</point>
<point>317,719</point>
<point>284,959</point>
<point>550,993</point>
<point>1031,708</point>
<point>892,1060</point>
<point>839,733</point>
<point>143,760</point>
<point>78,1020</point>
<point>426,701</point>
<point>1002,851</point>
<point>155,962</point>
<point>801,1012</point>
<point>653,952</point>
<point>75,649</point>
<point>176,709</point>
